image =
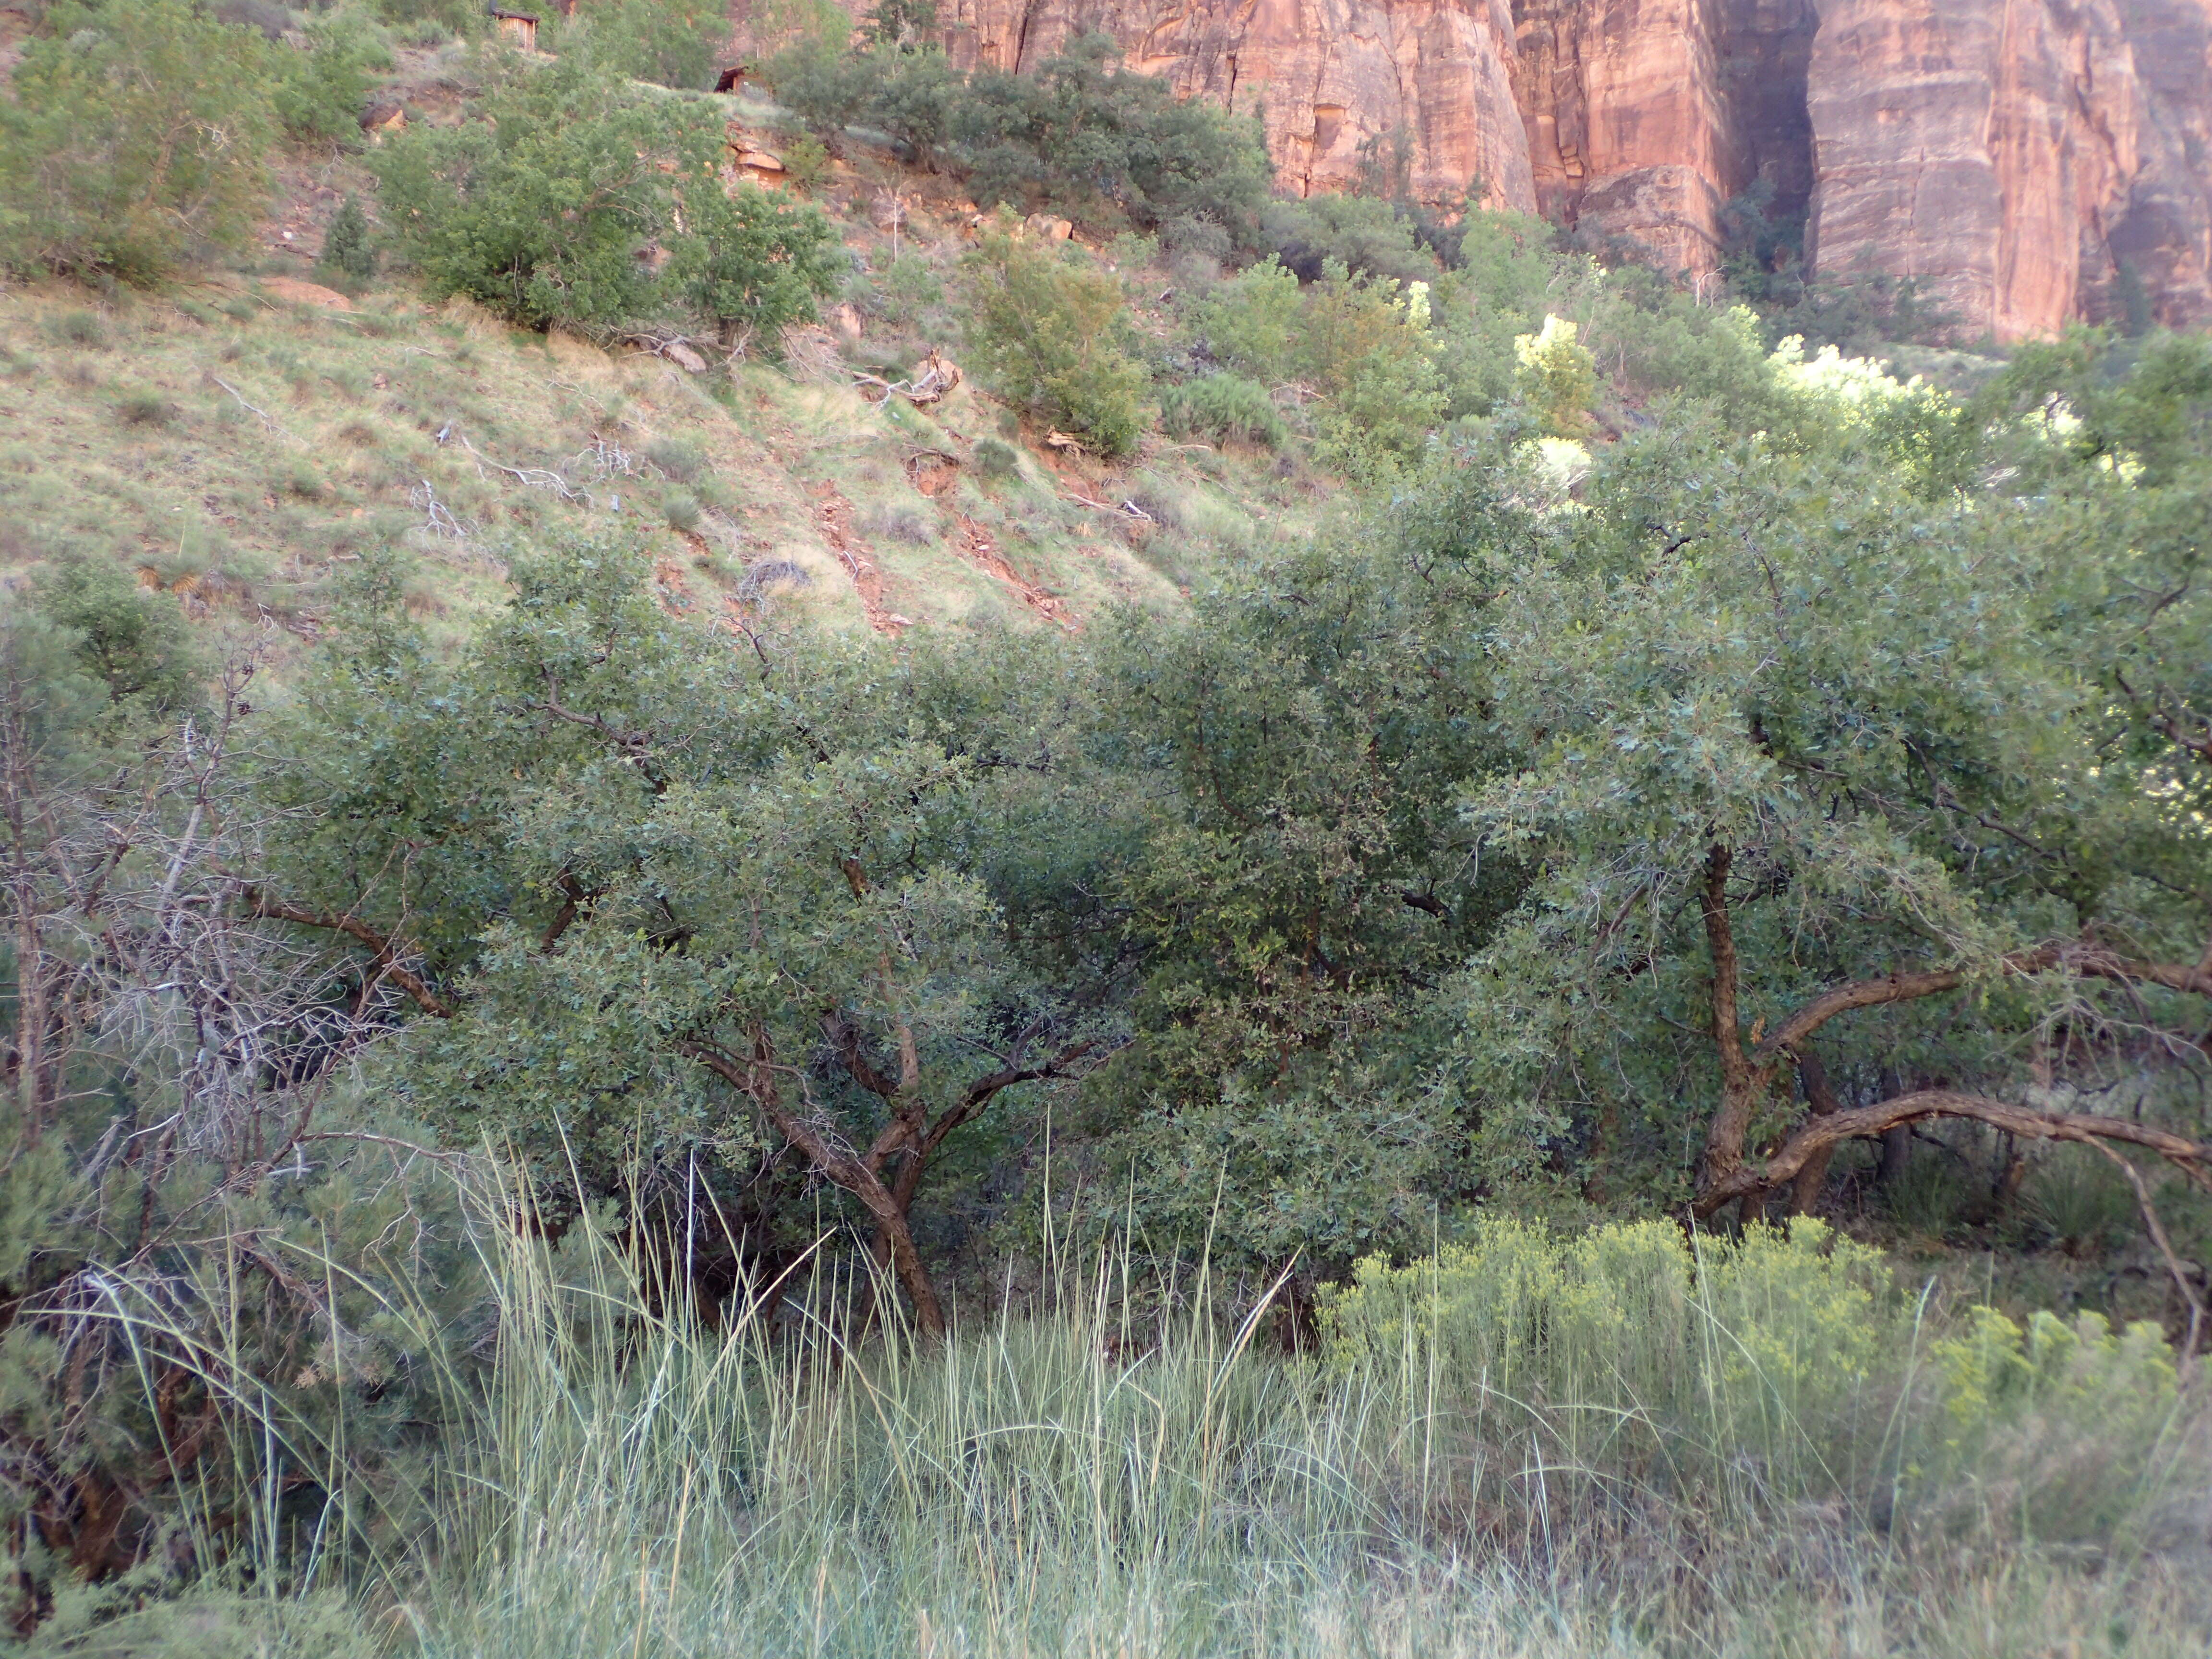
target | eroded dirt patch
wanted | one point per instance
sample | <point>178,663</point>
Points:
<point>978,548</point>
<point>832,516</point>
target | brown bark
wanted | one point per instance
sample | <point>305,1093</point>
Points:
<point>1821,1101</point>
<point>1742,1084</point>
<point>383,952</point>
<point>755,1076</point>
<point>1815,1135</point>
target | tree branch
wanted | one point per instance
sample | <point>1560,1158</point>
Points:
<point>384,951</point>
<point>1816,1134</point>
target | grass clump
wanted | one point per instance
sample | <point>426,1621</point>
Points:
<point>1511,1447</point>
<point>1224,407</point>
<point>144,409</point>
<point>682,511</point>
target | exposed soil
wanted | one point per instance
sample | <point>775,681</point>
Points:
<point>980,550</point>
<point>833,515</point>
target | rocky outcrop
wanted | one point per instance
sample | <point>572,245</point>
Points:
<point>2023,162</point>
<point>1344,87</point>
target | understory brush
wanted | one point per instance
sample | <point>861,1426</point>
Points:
<point>1615,1443</point>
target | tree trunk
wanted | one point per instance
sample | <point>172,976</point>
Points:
<point>1812,1180</point>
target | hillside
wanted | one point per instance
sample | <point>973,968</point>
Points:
<point>236,438</point>
<point>880,865</point>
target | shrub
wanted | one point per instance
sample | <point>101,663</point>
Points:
<point>123,150</point>
<point>135,642</point>
<point>145,409</point>
<point>1557,377</point>
<point>1250,322</point>
<point>346,247</point>
<point>996,462</point>
<point>1081,134</point>
<point>677,459</point>
<point>81,328</point>
<point>1224,406</point>
<point>805,160</point>
<point>682,509</point>
<point>672,42</point>
<point>901,524</point>
<point>1364,344</point>
<point>1367,236</point>
<point>449,17</point>
<point>1045,333</point>
<point>318,92</point>
<point>539,209</point>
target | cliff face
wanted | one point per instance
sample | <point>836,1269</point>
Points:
<point>2025,162</point>
<point>1326,77</point>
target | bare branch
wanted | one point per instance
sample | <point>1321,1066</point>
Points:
<point>1815,1135</point>
<point>384,950</point>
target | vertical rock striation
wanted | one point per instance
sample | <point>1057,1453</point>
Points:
<point>2024,163</point>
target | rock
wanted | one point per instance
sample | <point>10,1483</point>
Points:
<point>2026,163</point>
<point>1045,228</point>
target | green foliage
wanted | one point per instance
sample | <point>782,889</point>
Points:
<point>543,208</point>
<point>671,42</point>
<point>1044,331</point>
<point>1252,322</point>
<point>1224,406</point>
<point>1770,1368</point>
<point>134,139</point>
<point>1097,142</point>
<point>319,91</point>
<point>133,640</point>
<point>453,16</point>
<point>1557,377</point>
<point>1367,236</point>
<point>1365,345</point>
<point>347,248</point>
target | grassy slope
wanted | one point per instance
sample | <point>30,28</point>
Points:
<point>235,442</point>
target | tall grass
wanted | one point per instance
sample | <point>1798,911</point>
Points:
<point>1596,1446</point>
<point>1616,1444</point>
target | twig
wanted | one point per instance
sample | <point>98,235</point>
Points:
<point>268,419</point>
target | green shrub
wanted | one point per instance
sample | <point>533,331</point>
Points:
<point>124,150</point>
<point>677,459</point>
<point>1365,345</point>
<point>81,328</point>
<point>445,17</point>
<point>672,42</point>
<point>996,462</point>
<point>491,210</point>
<point>805,160</point>
<point>1368,236</point>
<point>682,510</point>
<point>1079,134</point>
<point>1557,377</point>
<point>1224,406</point>
<point>1250,322</point>
<point>145,409</point>
<point>319,92</point>
<point>135,642</point>
<point>1046,334</point>
<point>346,248</point>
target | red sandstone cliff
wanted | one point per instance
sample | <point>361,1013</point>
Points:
<point>2026,163</point>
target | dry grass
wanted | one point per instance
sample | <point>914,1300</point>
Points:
<point>223,433</point>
